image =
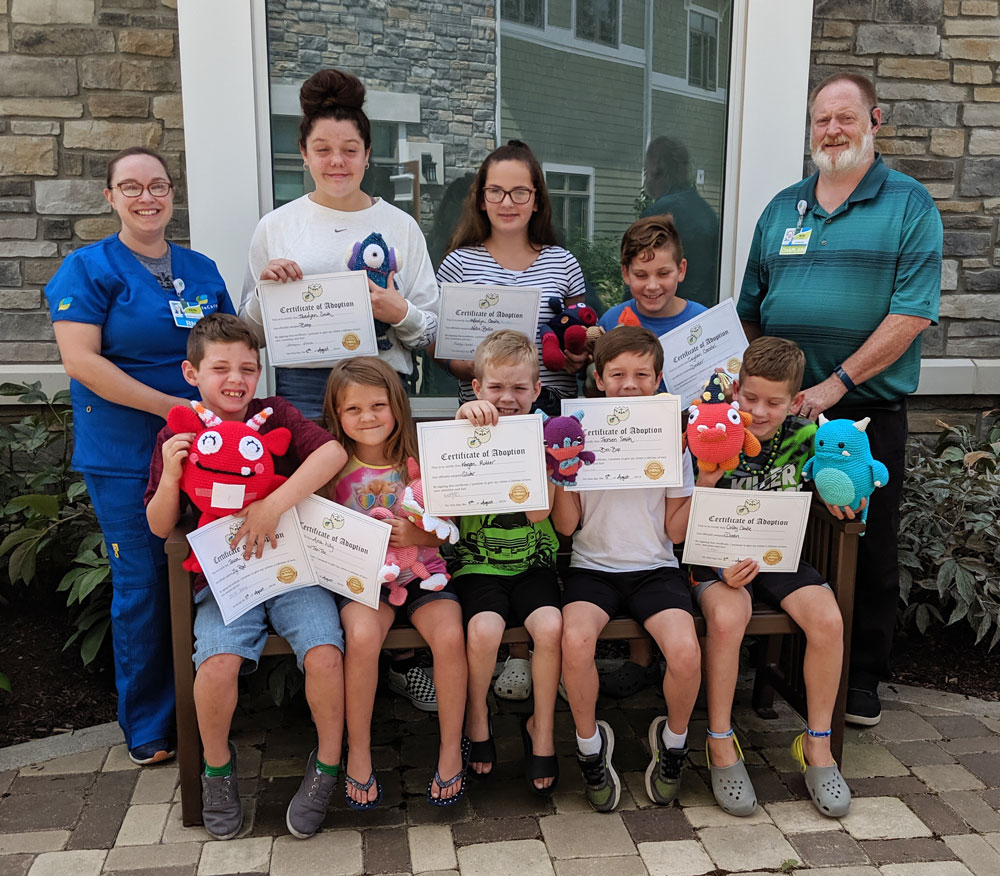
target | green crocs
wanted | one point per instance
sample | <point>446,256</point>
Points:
<point>826,786</point>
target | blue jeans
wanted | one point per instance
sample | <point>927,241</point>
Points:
<point>305,388</point>
<point>140,610</point>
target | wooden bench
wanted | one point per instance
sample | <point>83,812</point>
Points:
<point>830,546</point>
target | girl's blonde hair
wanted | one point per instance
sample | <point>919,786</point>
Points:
<point>372,371</point>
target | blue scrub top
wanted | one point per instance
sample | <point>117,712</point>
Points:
<point>104,284</point>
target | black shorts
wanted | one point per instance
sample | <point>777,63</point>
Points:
<point>769,587</point>
<point>513,597</point>
<point>416,596</point>
<point>644,593</point>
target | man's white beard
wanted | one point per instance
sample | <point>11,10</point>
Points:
<point>856,155</point>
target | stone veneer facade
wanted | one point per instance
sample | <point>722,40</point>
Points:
<point>80,79</point>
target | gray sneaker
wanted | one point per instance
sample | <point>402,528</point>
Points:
<point>221,807</point>
<point>604,789</point>
<point>308,807</point>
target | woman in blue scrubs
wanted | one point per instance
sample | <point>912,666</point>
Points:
<point>121,310</point>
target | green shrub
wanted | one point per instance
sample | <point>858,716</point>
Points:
<point>949,535</point>
<point>49,528</point>
<point>601,265</point>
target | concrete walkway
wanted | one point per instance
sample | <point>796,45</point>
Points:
<point>926,784</point>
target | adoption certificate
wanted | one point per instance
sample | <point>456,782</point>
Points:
<point>320,318</point>
<point>692,351</point>
<point>483,469</point>
<point>237,584</point>
<point>468,313</point>
<point>636,442</point>
<point>726,526</point>
<point>347,548</point>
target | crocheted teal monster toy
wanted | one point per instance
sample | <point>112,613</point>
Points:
<point>843,467</point>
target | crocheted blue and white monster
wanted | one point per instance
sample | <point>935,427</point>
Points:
<point>378,259</point>
<point>843,467</point>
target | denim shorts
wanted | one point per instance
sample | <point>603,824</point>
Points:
<point>306,617</point>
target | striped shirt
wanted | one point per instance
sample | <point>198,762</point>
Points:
<point>556,272</point>
<point>878,253</point>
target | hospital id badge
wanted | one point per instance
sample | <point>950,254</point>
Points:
<point>185,315</point>
<point>795,241</point>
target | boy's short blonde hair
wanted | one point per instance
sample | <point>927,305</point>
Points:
<point>219,328</point>
<point>644,236</point>
<point>776,359</point>
<point>627,339</point>
<point>506,347</point>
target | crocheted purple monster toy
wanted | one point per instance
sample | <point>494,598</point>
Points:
<point>374,256</point>
<point>564,453</point>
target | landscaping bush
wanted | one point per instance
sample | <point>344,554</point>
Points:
<point>49,529</point>
<point>949,536</point>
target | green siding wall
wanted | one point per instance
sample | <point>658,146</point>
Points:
<point>573,109</point>
<point>670,38</point>
<point>634,23</point>
<point>560,12</point>
<point>701,129</point>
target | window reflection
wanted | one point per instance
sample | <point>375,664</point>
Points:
<point>588,84</point>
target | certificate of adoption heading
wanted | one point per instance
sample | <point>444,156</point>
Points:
<point>320,318</point>
<point>347,548</point>
<point>636,442</point>
<point>693,350</point>
<point>237,584</point>
<point>468,313</point>
<point>726,526</point>
<point>470,469</point>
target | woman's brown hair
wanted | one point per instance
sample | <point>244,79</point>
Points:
<point>474,225</point>
<point>333,94</point>
<point>372,371</point>
<point>137,150</point>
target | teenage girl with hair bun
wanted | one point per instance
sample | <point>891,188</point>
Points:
<point>314,233</point>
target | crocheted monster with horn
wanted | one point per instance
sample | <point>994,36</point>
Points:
<point>230,464</point>
<point>716,431</point>
<point>843,467</point>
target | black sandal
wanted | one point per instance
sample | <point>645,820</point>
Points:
<point>483,751</point>
<point>538,766</point>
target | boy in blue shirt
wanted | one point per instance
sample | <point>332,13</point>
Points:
<point>769,386</point>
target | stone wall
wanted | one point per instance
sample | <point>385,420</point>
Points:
<point>79,80</point>
<point>936,67</point>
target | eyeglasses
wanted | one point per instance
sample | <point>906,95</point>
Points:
<point>157,188</point>
<point>495,194</point>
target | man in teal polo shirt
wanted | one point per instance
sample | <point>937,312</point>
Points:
<point>847,263</point>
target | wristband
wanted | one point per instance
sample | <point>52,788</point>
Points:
<point>447,368</point>
<point>845,378</point>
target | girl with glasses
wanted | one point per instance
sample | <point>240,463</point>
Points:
<point>121,310</point>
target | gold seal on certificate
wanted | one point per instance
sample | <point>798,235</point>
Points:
<point>237,584</point>
<point>318,319</point>
<point>467,313</point>
<point>470,469</point>
<point>726,526</point>
<point>346,548</point>
<point>693,350</point>
<point>636,441</point>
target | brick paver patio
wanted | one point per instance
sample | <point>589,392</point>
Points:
<point>926,786</point>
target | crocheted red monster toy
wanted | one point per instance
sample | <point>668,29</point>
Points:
<point>716,431</point>
<point>230,463</point>
<point>570,329</point>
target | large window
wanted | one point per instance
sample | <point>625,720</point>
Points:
<point>597,21</point>
<point>703,50</point>
<point>623,119</point>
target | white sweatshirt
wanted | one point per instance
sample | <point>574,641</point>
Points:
<point>319,239</point>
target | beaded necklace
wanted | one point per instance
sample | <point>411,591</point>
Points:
<point>772,453</point>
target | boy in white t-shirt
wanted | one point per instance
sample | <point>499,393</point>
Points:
<point>623,556</point>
